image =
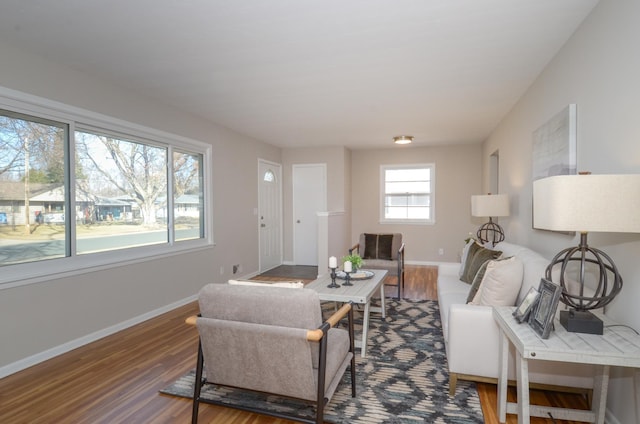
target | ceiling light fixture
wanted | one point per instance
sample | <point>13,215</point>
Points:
<point>403,139</point>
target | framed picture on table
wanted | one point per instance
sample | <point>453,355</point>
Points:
<point>522,311</point>
<point>541,316</point>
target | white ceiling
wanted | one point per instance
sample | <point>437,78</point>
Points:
<point>311,72</point>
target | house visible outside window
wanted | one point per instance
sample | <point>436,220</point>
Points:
<point>188,192</point>
<point>76,193</point>
<point>407,193</point>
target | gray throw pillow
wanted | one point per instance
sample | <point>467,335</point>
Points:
<point>477,280</point>
<point>378,246</point>
<point>476,258</point>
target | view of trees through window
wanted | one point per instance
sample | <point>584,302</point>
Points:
<point>32,180</point>
<point>127,192</point>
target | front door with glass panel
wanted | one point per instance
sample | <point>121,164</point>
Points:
<point>270,215</point>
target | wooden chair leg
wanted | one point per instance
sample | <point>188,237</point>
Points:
<point>453,380</point>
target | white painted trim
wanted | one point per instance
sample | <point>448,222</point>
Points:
<point>609,418</point>
<point>89,338</point>
<point>331,213</point>
<point>382,193</point>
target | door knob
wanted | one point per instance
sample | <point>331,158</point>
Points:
<point>298,221</point>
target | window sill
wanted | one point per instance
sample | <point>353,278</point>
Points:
<point>26,273</point>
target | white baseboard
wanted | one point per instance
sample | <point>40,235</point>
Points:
<point>32,360</point>
<point>428,263</point>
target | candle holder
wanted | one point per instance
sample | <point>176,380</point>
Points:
<point>333,284</point>
<point>347,279</point>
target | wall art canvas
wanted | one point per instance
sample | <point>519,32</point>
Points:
<point>555,145</point>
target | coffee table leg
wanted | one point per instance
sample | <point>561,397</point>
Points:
<point>382,305</point>
<point>365,330</point>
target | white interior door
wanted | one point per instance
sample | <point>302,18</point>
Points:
<point>309,198</point>
<point>269,214</point>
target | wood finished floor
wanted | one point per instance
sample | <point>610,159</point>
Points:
<point>117,379</point>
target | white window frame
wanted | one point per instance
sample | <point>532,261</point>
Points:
<point>432,194</point>
<point>77,118</point>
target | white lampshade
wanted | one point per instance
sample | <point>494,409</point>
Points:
<point>587,203</point>
<point>489,205</point>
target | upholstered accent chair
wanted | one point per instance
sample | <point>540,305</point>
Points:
<point>382,251</point>
<point>271,340</point>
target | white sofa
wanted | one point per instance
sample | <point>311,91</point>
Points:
<point>472,337</point>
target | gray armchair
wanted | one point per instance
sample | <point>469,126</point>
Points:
<point>382,251</point>
<point>271,340</point>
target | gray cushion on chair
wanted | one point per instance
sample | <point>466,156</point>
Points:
<point>257,357</point>
<point>390,266</point>
<point>264,305</point>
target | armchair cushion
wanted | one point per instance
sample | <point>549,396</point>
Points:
<point>261,305</point>
<point>379,252</point>
<point>378,246</point>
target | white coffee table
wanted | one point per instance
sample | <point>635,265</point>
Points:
<point>360,293</point>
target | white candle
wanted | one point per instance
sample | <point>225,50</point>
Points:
<point>333,262</point>
<point>347,266</point>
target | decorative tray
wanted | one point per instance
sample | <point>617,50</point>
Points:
<point>361,274</point>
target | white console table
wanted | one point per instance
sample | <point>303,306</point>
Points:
<point>618,346</point>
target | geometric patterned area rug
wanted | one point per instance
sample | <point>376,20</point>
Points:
<point>403,379</point>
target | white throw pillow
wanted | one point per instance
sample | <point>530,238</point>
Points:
<point>289,284</point>
<point>501,283</point>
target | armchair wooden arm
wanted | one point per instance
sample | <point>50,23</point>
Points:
<point>317,334</point>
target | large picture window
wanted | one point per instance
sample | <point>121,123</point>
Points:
<point>407,193</point>
<point>75,194</point>
<point>33,225</point>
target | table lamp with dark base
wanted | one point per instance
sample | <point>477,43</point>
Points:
<point>586,203</point>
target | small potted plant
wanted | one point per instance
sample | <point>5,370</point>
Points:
<point>355,259</point>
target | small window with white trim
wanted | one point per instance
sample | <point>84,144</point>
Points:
<point>407,193</point>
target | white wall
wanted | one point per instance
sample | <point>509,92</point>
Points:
<point>458,172</point>
<point>598,69</point>
<point>40,317</point>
